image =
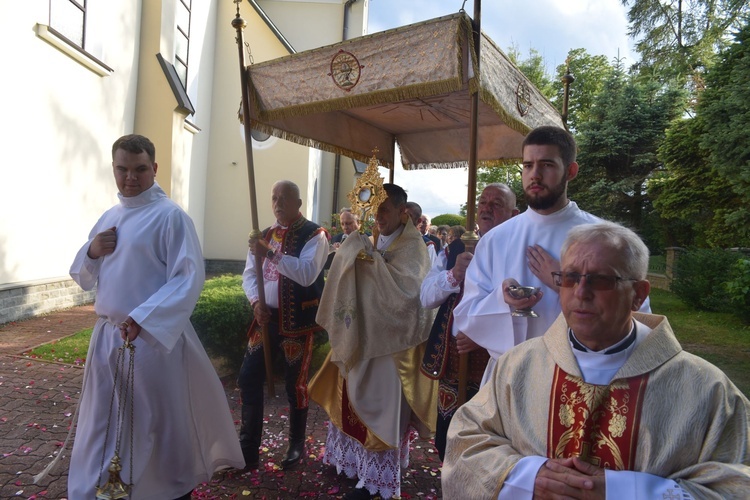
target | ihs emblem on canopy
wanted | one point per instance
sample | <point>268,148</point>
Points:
<point>523,98</point>
<point>345,70</point>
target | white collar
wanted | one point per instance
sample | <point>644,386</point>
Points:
<point>385,241</point>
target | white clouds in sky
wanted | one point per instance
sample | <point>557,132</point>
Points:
<point>552,27</point>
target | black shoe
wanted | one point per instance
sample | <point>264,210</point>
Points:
<point>297,427</point>
<point>252,459</point>
<point>293,454</point>
<point>359,494</point>
<point>251,431</point>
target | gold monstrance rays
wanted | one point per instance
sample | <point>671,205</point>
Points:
<point>368,193</point>
<point>367,196</point>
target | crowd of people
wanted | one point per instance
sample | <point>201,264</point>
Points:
<point>591,397</point>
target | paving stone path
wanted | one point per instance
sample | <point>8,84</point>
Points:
<point>37,401</point>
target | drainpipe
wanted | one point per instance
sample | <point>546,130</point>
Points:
<point>337,164</point>
<point>347,8</point>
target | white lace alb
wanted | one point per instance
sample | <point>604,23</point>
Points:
<point>378,471</point>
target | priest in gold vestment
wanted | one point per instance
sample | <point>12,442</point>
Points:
<point>606,404</point>
<point>370,385</point>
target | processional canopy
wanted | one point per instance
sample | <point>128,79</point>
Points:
<point>410,85</point>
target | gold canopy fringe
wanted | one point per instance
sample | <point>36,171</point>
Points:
<point>323,146</point>
<point>511,121</point>
<point>369,99</point>
<point>462,164</point>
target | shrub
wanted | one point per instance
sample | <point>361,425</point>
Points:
<point>222,318</point>
<point>448,220</point>
<point>739,289</point>
<point>700,277</point>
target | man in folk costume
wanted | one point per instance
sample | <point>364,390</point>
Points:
<point>606,404</point>
<point>294,251</point>
<point>524,251</point>
<point>442,288</point>
<point>144,258</point>
<point>370,384</point>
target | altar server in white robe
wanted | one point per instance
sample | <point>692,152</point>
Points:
<point>144,257</point>
<point>523,250</point>
<point>606,404</point>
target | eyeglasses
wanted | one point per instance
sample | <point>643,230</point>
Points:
<point>598,282</point>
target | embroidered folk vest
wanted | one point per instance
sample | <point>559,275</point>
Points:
<point>298,304</point>
<point>435,357</point>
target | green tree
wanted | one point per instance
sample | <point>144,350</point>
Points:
<point>618,148</point>
<point>449,220</point>
<point>534,69</point>
<point>590,73</point>
<point>679,38</point>
<point>509,174</point>
<point>687,192</point>
<point>725,109</point>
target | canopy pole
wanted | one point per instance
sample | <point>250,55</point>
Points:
<point>470,237</point>
<point>239,25</point>
<point>392,172</point>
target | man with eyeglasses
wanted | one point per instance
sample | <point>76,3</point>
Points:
<point>524,250</point>
<point>606,404</point>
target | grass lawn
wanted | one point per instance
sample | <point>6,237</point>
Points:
<point>70,350</point>
<point>720,338</point>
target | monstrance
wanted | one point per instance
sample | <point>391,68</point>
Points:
<point>366,197</point>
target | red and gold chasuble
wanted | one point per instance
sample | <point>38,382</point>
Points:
<point>598,423</point>
<point>352,425</point>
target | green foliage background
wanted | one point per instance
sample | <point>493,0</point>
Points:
<point>664,144</point>
<point>222,318</point>
<point>738,288</point>
<point>448,220</point>
<point>700,277</point>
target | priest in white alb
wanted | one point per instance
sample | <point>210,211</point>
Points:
<point>144,257</point>
<point>606,404</point>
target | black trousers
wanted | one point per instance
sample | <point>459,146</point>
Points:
<point>297,354</point>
